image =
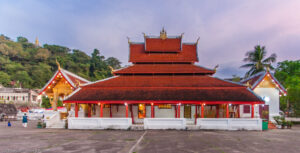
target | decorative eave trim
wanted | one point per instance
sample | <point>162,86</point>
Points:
<point>99,81</point>
<point>74,92</point>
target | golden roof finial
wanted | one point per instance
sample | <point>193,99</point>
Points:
<point>37,41</point>
<point>197,40</point>
<point>144,34</point>
<point>248,84</point>
<point>112,69</point>
<point>181,35</point>
<point>268,68</point>
<point>58,65</point>
<point>163,34</point>
<point>128,40</point>
<point>215,69</point>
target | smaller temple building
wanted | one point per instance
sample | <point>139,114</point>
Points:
<point>62,84</point>
<point>269,89</point>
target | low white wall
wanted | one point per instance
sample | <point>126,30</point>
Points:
<point>164,123</point>
<point>230,123</point>
<point>99,123</point>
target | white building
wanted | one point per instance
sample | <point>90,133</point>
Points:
<point>19,95</point>
<point>268,88</point>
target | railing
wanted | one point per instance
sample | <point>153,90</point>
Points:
<point>164,123</point>
<point>230,123</point>
<point>99,123</point>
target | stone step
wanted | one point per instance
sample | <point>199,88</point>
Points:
<point>137,127</point>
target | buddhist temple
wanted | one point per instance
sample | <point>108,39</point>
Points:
<point>61,85</point>
<point>269,89</point>
<point>163,82</point>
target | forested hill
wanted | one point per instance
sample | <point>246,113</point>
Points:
<point>24,64</point>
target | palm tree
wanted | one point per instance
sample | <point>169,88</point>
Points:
<point>257,62</point>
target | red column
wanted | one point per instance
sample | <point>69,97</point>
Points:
<point>126,105</point>
<point>227,110</point>
<point>175,111</point>
<point>76,109</point>
<point>238,111</point>
<point>178,111</point>
<point>196,114</point>
<point>202,110</point>
<point>89,110</point>
<point>217,109</point>
<point>252,111</point>
<point>152,110</point>
<point>110,113</point>
<point>101,110</point>
<point>131,112</point>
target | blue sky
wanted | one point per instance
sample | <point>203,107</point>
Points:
<point>227,29</point>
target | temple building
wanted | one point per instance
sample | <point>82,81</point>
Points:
<point>161,88</point>
<point>61,85</point>
<point>269,89</point>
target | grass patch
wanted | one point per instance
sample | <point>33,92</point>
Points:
<point>129,139</point>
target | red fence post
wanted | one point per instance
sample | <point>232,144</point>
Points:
<point>202,110</point>
<point>252,110</point>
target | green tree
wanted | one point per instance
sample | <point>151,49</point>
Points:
<point>113,62</point>
<point>24,79</point>
<point>257,61</point>
<point>4,79</point>
<point>288,73</point>
<point>46,102</point>
<point>21,39</point>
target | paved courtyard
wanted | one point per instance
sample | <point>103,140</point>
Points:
<point>19,139</point>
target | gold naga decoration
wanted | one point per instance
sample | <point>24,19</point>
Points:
<point>58,65</point>
<point>128,40</point>
<point>215,68</point>
<point>163,34</point>
<point>197,40</point>
<point>112,69</point>
<point>248,84</point>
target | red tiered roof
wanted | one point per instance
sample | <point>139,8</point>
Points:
<point>163,71</point>
<point>163,45</point>
<point>139,55</point>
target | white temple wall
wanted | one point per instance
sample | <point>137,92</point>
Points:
<point>272,95</point>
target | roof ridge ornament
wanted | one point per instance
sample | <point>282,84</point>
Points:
<point>129,42</point>
<point>197,40</point>
<point>57,63</point>
<point>144,34</point>
<point>182,34</point>
<point>163,34</point>
<point>215,68</point>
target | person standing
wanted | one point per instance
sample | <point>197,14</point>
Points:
<point>24,121</point>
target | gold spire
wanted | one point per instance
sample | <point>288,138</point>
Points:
<point>37,42</point>
<point>58,65</point>
<point>144,34</point>
<point>163,34</point>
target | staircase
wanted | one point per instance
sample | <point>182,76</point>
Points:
<point>271,125</point>
<point>54,121</point>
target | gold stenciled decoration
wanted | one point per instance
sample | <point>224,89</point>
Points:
<point>163,34</point>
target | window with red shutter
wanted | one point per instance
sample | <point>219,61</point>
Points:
<point>246,108</point>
